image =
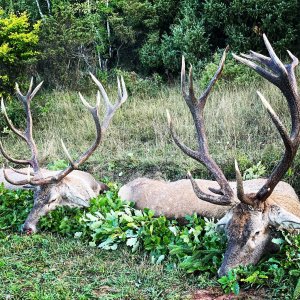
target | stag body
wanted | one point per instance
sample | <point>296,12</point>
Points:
<point>177,199</point>
<point>251,213</point>
<point>69,187</point>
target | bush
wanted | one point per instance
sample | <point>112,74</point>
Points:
<point>139,86</point>
<point>233,72</point>
<point>18,48</point>
<point>70,43</point>
<point>14,208</point>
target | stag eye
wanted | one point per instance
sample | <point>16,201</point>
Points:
<point>257,233</point>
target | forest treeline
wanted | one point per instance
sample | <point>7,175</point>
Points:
<point>59,41</point>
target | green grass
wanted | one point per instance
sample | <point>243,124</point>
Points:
<point>138,142</point>
<point>46,266</point>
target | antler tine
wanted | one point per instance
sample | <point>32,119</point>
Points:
<point>257,57</point>
<point>19,94</point>
<point>277,64</point>
<point>282,131</point>
<point>103,92</point>
<point>30,88</point>
<point>23,172</point>
<point>261,71</point>
<point>282,76</point>
<point>111,109</point>
<point>218,200</point>
<point>240,186</point>
<point>189,98</point>
<point>185,149</point>
<point>182,77</point>
<point>212,82</point>
<point>123,91</point>
<point>37,88</point>
<point>9,122</point>
<point>13,160</point>
<point>85,103</point>
<point>225,194</point>
<point>67,154</point>
<point>239,182</point>
<point>295,60</point>
<point>14,182</point>
<point>119,88</point>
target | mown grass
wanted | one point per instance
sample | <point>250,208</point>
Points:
<point>46,266</point>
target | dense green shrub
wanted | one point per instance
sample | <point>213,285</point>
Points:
<point>18,47</point>
<point>139,86</point>
<point>202,27</point>
<point>14,208</point>
<point>151,36</point>
<point>70,41</point>
<point>233,72</point>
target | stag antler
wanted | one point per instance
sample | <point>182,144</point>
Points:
<point>282,76</point>
<point>225,195</point>
<point>37,178</point>
<point>27,135</point>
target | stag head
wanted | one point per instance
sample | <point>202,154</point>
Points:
<point>66,187</point>
<point>250,222</point>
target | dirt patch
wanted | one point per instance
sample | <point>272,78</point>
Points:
<point>218,294</point>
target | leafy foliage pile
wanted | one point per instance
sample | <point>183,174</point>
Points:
<point>194,247</point>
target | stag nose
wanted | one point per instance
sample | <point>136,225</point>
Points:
<point>28,229</point>
<point>222,272</point>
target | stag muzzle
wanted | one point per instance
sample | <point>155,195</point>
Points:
<point>28,228</point>
<point>243,253</point>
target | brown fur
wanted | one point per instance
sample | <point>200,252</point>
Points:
<point>177,199</point>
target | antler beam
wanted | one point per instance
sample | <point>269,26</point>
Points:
<point>225,195</point>
<point>282,76</point>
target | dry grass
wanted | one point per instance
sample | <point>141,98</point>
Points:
<point>236,122</point>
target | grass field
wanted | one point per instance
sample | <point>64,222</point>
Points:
<point>138,142</point>
<point>46,266</point>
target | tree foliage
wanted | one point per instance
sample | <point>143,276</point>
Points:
<point>149,36</point>
<point>18,44</point>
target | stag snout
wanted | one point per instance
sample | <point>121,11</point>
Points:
<point>28,229</point>
<point>222,271</point>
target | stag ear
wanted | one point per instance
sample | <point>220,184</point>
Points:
<point>281,218</point>
<point>103,187</point>
<point>221,225</point>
